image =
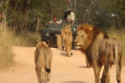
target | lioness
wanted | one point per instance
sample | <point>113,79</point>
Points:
<point>67,39</point>
<point>100,50</point>
<point>59,41</point>
<point>43,59</point>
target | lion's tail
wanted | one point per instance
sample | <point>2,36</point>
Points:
<point>48,62</point>
<point>116,60</point>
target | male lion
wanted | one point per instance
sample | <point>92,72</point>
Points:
<point>100,50</point>
<point>67,39</point>
<point>43,59</point>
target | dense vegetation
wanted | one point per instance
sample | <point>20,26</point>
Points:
<point>31,15</point>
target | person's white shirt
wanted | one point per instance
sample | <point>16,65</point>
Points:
<point>71,16</point>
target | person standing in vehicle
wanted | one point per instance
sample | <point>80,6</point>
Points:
<point>69,16</point>
<point>54,19</point>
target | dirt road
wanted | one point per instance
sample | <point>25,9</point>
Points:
<point>64,69</point>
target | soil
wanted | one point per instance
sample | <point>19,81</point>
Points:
<point>64,69</point>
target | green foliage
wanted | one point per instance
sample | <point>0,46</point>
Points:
<point>22,15</point>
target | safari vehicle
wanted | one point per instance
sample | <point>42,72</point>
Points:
<point>52,29</point>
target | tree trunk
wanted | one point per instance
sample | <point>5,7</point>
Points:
<point>14,25</point>
<point>4,22</point>
<point>26,20</point>
<point>38,24</point>
<point>116,22</point>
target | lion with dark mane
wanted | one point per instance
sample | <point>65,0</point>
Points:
<point>100,50</point>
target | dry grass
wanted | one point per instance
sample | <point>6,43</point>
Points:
<point>6,53</point>
<point>27,40</point>
<point>119,34</point>
<point>9,39</point>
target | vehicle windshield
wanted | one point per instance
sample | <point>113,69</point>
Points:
<point>58,27</point>
<point>54,27</point>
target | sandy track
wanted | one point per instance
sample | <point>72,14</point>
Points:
<point>64,69</point>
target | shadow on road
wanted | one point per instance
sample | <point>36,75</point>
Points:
<point>84,67</point>
<point>75,82</point>
<point>63,53</point>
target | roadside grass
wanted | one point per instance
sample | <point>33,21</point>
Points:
<point>6,53</point>
<point>119,34</point>
<point>9,39</point>
<point>26,40</point>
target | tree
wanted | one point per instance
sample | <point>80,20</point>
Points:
<point>31,15</point>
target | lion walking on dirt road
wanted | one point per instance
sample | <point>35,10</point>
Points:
<point>100,50</point>
<point>43,60</point>
<point>67,39</point>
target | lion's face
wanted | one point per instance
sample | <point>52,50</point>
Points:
<point>81,38</point>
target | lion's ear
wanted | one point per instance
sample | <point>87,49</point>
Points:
<point>37,41</point>
<point>91,28</point>
<point>79,27</point>
<point>44,43</point>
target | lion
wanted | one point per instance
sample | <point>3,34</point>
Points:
<point>67,39</point>
<point>100,50</point>
<point>59,41</point>
<point>43,60</point>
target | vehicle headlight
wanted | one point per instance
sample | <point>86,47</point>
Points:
<point>74,29</point>
<point>47,34</point>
